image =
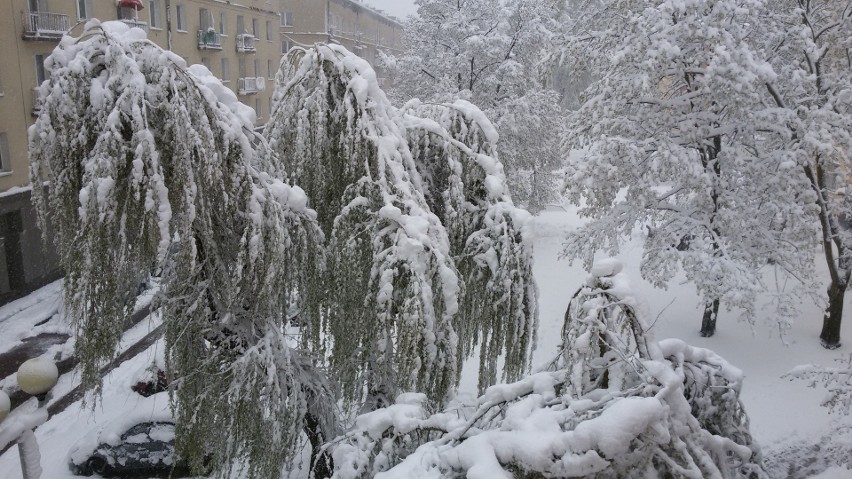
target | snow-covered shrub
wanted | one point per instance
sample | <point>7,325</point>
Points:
<point>392,290</point>
<point>454,147</point>
<point>150,165</point>
<point>614,404</point>
<point>837,381</point>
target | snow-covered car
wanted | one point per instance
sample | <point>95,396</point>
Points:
<point>139,442</point>
<point>146,449</point>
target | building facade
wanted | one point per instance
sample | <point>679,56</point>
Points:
<point>362,29</point>
<point>238,41</point>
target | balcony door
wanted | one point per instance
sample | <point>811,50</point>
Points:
<point>37,6</point>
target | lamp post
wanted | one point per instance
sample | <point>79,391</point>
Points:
<point>36,377</point>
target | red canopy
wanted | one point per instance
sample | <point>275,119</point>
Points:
<point>134,4</point>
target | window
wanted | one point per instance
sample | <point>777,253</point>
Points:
<point>286,45</point>
<point>181,17</point>
<point>154,12</point>
<point>223,23</point>
<point>206,62</point>
<point>84,9</point>
<point>205,19</point>
<point>258,108</point>
<point>241,27</point>
<point>255,28</point>
<point>256,68</point>
<point>286,19</point>
<point>268,31</point>
<point>270,107</point>
<point>270,73</point>
<point>5,159</point>
<point>226,74</point>
<point>242,67</point>
<point>41,76</point>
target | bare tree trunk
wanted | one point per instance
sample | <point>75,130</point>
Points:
<point>830,335</point>
<point>708,323</point>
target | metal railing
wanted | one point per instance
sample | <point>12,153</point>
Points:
<point>251,85</point>
<point>135,23</point>
<point>45,24</point>
<point>245,43</point>
<point>36,103</point>
<point>209,40</point>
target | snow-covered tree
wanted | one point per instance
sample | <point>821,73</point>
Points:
<point>454,147</point>
<point>392,290</point>
<point>809,49</point>
<point>614,404</point>
<point>148,166</point>
<point>489,53</point>
<point>676,137</point>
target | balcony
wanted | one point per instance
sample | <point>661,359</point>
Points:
<point>209,40</point>
<point>135,23</point>
<point>245,43</point>
<point>45,25</point>
<point>250,85</point>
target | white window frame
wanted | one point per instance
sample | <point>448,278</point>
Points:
<point>268,30</point>
<point>255,27</point>
<point>226,70</point>
<point>223,24</point>
<point>39,66</point>
<point>87,6</point>
<point>258,108</point>
<point>5,158</point>
<point>154,14</point>
<point>286,19</point>
<point>180,16</point>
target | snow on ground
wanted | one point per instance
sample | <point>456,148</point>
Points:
<point>786,417</point>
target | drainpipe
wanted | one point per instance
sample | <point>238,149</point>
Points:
<point>169,24</point>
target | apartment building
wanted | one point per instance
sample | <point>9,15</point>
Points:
<point>239,41</point>
<point>360,28</point>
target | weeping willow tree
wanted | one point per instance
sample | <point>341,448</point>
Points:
<point>153,167</point>
<point>454,148</point>
<point>614,404</point>
<point>391,289</point>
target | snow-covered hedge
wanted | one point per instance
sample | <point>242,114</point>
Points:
<point>614,404</point>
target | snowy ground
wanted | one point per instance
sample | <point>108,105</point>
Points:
<point>786,418</point>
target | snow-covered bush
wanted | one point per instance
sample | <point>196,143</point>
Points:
<point>148,166</point>
<point>837,381</point>
<point>614,404</point>
<point>455,149</point>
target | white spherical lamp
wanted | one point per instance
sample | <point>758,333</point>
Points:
<point>37,376</point>
<point>5,405</point>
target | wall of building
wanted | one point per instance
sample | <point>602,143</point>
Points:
<point>360,28</point>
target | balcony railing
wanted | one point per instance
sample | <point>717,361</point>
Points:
<point>36,103</point>
<point>45,25</point>
<point>245,43</point>
<point>209,40</point>
<point>250,85</point>
<point>135,23</point>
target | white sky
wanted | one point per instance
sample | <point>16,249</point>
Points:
<point>398,8</point>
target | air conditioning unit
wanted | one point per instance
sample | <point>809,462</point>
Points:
<point>245,43</point>
<point>260,83</point>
